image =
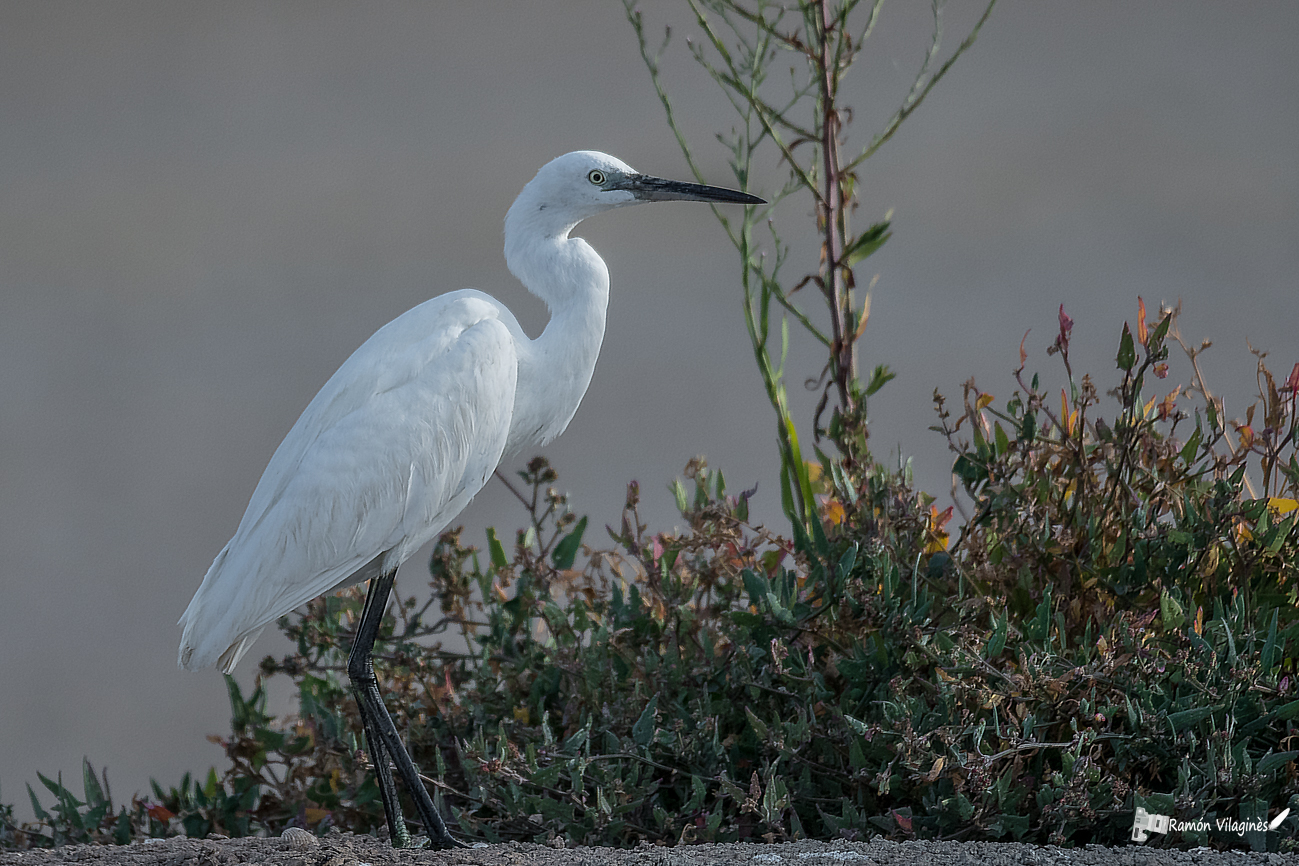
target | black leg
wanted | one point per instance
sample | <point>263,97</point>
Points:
<point>374,743</point>
<point>381,734</point>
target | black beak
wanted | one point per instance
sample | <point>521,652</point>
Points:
<point>647,188</point>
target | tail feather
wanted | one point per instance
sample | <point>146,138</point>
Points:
<point>202,643</point>
<point>236,650</point>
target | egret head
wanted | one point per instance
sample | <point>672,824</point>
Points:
<point>583,183</point>
<point>566,191</point>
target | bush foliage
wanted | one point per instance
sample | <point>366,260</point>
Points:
<point>1114,626</point>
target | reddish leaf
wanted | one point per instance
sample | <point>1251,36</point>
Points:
<point>938,519</point>
<point>1142,333</point>
<point>1292,384</point>
<point>1167,405</point>
<point>451,689</point>
<point>1066,325</point>
<point>159,813</point>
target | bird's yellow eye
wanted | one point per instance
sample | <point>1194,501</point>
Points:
<point>596,177</point>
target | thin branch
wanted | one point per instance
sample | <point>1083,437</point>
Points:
<point>914,99</point>
<point>512,489</point>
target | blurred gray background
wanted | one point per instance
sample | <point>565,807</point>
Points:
<point>204,208</point>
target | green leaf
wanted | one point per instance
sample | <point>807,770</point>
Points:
<point>1186,718</point>
<point>1028,427</point>
<point>1188,450</point>
<point>1270,763</point>
<point>94,792</point>
<point>778,610</point>
<point>880,377</point>
<point>746,619</point>
<point>757,585</point>
<point>1268,655</point>
<point>566,551</point>
<point>643,731</point>
<point>1000,438</point>
<point>859,672</point>
<point>847,561</point>
<point>818,535</point>
<point>679,493</point>
<point>970,471</point>
<point>1170,612</point>
<point>36,805</point>
<point>759,727</point>
<point>1127,350</point>
<point>867,243</point>
<point>56,788</point>
<point>997,642</point>
<point>857,724</point>
<point>238,707</point>
<point>798,469</point>
<point>1161,331</point>
<point>497,549</point>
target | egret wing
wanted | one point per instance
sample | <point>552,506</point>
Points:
<point>393,447</point>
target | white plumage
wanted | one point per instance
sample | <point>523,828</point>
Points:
<point>392,448</point>
<point>410,428</point>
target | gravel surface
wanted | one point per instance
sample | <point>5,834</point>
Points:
<point>303,849</point>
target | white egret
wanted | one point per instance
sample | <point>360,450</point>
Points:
<point>409,429</point>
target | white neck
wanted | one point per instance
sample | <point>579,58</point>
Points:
<point>554,369</point>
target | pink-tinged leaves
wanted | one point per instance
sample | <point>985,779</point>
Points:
<point>1066,325</point>
<point>1023,354</point>
<point>1292,384</point>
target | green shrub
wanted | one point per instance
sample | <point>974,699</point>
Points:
<point>1114,626</point>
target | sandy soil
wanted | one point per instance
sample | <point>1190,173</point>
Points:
<point>302,849</point>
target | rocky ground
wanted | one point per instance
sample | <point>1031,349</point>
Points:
<point>298,848</point>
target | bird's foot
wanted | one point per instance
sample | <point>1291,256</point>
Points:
<point>449,841</point>
<point>409,841</point>
<point>404,839</point>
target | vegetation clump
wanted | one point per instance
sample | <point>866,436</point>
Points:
<point>1115,625</point>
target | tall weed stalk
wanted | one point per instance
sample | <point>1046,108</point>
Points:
<point>802,122</point>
